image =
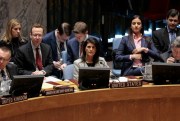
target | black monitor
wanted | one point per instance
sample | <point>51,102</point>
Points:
<point>30,84</point>
<point>166,73</point>
<point>93,78</point>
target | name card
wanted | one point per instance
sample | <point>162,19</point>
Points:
<point>126,84</point>
<point>10,99</point>
<point>56,91</point>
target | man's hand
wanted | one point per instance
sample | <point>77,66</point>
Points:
<point>38,73</point>
<point>63,66</point>
<point>170,60</point>
<point>57,64</point>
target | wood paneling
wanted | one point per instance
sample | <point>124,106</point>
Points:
<point>155,103</point>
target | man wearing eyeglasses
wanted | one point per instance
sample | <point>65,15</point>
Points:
<point>35,57</point>
<point>7,70</point>
<point>163,37</point>
<point>173,55</point>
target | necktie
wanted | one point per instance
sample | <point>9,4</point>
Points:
<point>38,60</point>
<point>61,45</point>
<point>81,48</point>
<point>172,36</point>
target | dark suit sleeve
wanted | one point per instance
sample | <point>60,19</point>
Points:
<point>153,52</point>
<point>123,53</point>
<point>12,69</point>
<point>69,54</point>
<point>48,66</point>
<point>155,40</point>
<point>20,62</point>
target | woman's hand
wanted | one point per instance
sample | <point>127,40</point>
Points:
<point>136,56</point>
<point>139,50</point>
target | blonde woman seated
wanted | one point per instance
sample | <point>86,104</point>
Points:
<point>90,57</point>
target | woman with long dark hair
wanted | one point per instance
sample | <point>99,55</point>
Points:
<point>135,49</point>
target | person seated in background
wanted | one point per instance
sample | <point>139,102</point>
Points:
<point>7,69</point>
<point>173,55</point>
<point>35,57</point>
<point>13,36</point>
<point>135,49</point>
<point>74,45</point>
<point>57,40</point>
<point>90,57</point>
<point>163,37</point>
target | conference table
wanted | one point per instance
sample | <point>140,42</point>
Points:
<point>146,103</point>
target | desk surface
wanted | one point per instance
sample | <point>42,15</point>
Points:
<point>150,103</point>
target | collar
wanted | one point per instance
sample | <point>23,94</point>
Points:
<point>171,30</point>
<point>137,38</point>
<point>33,47</point>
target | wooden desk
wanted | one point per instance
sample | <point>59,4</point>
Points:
<point>154,103</point>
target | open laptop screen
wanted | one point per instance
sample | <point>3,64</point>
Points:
<point>93,77</point>
<point>166,73</point>
<point>30,84</point>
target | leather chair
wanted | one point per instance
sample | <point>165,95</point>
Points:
<point>64,56</point>
<point>68,72</point>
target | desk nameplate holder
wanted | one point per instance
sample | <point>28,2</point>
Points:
<point>11,99</point>
<point>137,83</point>
<point>57,90</point>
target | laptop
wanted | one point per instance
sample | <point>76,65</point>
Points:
<point>93,78</point>
<point>30,84</point>
<point>166,73</point>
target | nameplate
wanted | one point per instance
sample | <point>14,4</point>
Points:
<point>56,91</point>
<point>126,84</point>
<point>10,99</point>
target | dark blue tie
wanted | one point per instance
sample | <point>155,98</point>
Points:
<point>61,46</point>
<point>172,36</point>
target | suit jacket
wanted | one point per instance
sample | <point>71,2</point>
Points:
<point>161,39</point>
<point>125,50</point>
<point>79,63</point>
<point>73,49</point>
<point>25,60</point>
<point>166,55</point>
<point>50,39</point>
<point>11,69</point>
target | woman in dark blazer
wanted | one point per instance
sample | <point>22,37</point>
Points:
<point>135,49</point>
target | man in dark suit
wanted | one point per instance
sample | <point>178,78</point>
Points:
<point>173,55</point>
<point>57,40</point>
<point>75,44</point>
<point>35,58</point>
<point>7,69</point>
<point>162,38</point>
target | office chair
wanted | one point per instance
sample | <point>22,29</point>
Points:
<point>115,70</point>
<point>68,72</point>
<point>64,56</point>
